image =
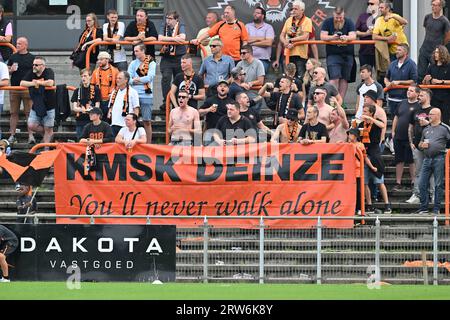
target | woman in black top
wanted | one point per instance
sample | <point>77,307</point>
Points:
<point>92,33</point>
<point>438,73</point>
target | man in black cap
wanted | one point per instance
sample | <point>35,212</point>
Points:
<point>289,131</point>
<point>8,244</point>
<point>214,108</point>
<point>97,131</point>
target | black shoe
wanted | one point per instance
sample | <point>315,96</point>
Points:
<point>387,209</point>
<point>163,107</point>
<point>370,209</point>
<point>397,188</point>
<point>421,211</point>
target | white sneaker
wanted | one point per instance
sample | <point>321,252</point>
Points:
<point>4,280</point>
<point>413,200</point>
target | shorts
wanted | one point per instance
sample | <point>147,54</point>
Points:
<point>340,67</point>
<point>403,152</point>
<point>48,121</point>
<point>16,97</point>
<point>146,108</point>
<point>8,248</point>
<point>370,175</point>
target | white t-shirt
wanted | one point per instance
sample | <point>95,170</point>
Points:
<point>119,55</point>
<point>133,101</point>
<point>362,89</point>
<point>4,74</point>
<point>128,135</point>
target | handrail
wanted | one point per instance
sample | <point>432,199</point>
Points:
<point>10,45</point>
<point>99,43</point>
<point>447,188</point>
<point>332,42</point>
<point>42,145</point>
<point>427,86</point>
<point>361,184</point>
<point>167,117</point>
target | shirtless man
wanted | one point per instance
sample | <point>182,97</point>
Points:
<point>289,131</point>
<point>184,122</point>
<point>325,109</point>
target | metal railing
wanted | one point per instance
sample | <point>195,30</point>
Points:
<point>428,86</point>
<point>371,254</point>
<point>99,43</point>
<point>10,45</point>
<point>333,42</point>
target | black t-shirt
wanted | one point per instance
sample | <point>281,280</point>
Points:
<point>414,120</point>
<point>235,130</point>
<point>349,26</point>
<point>84,99</point>
<point>150,31</point>
<point>295,102</point>
<point>6,235</point>
<point>253,116</point>
<point>25,65</point>
<point>440,73</point>
<point>373,148</point>
<point>195,85</point>
<point>213,117</point>
<point>314,132</point>
<point>49,95</point>
<point>404,111</point>
<point>102,131</point>
<point>22,200</point>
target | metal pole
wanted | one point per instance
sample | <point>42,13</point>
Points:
<point>377,251</point>
<point>205,250</point>
<point>261,250</point>
<point>319,251</point>
<point>435,252</point>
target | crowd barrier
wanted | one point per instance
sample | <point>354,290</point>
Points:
<point>317,255</point>
<point>424,86</point>
<point>10,45</point>
<point>96,44</point>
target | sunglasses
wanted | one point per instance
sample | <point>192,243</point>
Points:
<point>243,52</point>
<point>370,3</point>
<point>182,97</point>
<point>317,93</point>
<point>37,65</point>
<point>214,45</point>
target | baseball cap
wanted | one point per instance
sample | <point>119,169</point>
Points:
<point>104,54</point>
<point>223,81</point>
<point>96,111</point>
<point>292,114</point>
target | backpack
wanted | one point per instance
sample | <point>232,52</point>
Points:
<point>62,109</point>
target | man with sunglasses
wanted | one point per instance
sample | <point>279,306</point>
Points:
<point>216,67</point>
<point>42,114</point>
<point>238,77</point>
<point>184,123</point>
<point>325,109</point>
<point>319,77</point>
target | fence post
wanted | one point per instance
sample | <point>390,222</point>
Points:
<point>435,251</point>
<point>92,220</point>
<point>205,250</point>
<point>377,251</point>
<point>261,250</point>
<point>148,220</point>
<point>319,252</point>
<point>35,219</point>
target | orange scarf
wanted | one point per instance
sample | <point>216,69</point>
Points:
<point>125,100</point>
<point>292,134</point>
<point>143,71</point>
<point>175,32</point>
<point>365,134</point>
<point>85,35</point>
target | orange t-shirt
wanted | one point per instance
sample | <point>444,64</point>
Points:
<point>108,81</point>
<point>231,34</point>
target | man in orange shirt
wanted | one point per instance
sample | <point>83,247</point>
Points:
<point>297,27</point>
<point>104,77</point>
<point>232,32</point>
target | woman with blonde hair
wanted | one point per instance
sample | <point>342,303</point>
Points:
<point>311,64</point>
<point>92,33</point>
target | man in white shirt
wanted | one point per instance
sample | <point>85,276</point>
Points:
<point>113,32</point>
<point>124,100</point>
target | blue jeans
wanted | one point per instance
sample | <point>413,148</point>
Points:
<point>266,64</point>
<point>435,166</point>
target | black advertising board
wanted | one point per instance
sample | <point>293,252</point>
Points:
<point>134,253</point>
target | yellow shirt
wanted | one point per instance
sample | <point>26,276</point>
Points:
<point>306,26</point>
<point>386,29</point>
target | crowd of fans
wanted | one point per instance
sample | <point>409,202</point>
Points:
<point>230,89</point>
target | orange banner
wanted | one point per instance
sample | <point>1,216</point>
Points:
<point>257,180</point>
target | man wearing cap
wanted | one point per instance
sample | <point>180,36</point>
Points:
<point>184,122</point>
<point>289,131</point>
<point>214,108</point>
<point>98,131</point>
<point>237,78</point>
<point>104,77</point>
